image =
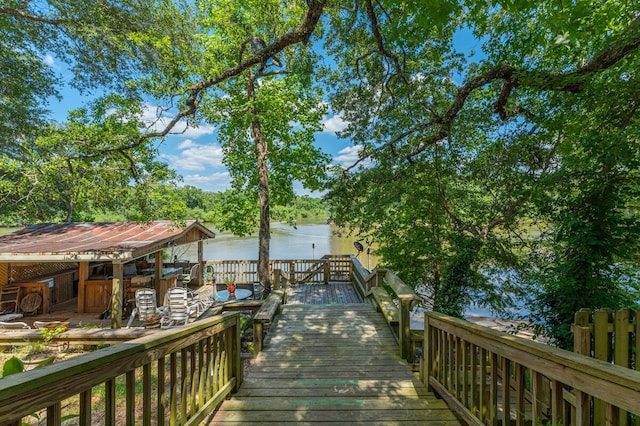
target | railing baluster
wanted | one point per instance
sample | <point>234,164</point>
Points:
<point>582,408</point>
<point>612,415</point>
<point>465,373</point>
<point>173,388</point>
<point>493,388</point>
<point>457,361</point>
<point>557,403</point>
<point>506,390</point>
<point>146,394</point>
<point>84,419</point>
<point>201,375</point>
<point>54,414</point>
<point>474,399</point>
<point>110,402</point>
<point>130,386</point>
<point>183,386</point>
<point>519,378</point>
<point>537,393</point>
<point>162,392</point>
<point>450,361</point>
<point>483,397</point>
<point>193,374</point>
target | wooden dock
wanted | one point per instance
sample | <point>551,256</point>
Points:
<point>331,363</point>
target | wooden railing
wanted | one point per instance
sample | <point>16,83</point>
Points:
<point>485,375</point>
<point>174,376</point>
<point>324,270</point>
<point>608,336</point>
<point>374,287</point>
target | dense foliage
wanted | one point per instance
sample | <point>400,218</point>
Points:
<point>498,141</point>
<point>519,157</point>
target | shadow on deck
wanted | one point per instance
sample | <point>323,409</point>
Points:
<point>331,362</point>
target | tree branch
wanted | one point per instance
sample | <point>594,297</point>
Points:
<point>301,34</point>
<point>569,82</point>
<point>23,15</point>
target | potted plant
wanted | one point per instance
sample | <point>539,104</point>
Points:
<point>231,286</point>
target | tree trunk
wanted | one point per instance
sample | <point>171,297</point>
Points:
<point>264,233</point>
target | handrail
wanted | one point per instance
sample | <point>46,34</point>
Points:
<point>362,278</point>
<point>470,366</point>
<point>406,298</point>
<point>365,281</point>
<point>194,366</point>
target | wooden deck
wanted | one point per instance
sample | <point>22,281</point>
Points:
<point>334,293</point>
<point>331,363</point>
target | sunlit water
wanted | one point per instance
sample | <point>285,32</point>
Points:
<point>305,241</point>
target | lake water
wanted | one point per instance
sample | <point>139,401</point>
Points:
<point>305,241</point>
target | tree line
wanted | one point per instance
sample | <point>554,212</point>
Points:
<point>180,204</point>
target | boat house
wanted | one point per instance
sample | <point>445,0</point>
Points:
<point>99,263</point>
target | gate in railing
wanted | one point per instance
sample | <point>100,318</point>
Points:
<point>173,376</point>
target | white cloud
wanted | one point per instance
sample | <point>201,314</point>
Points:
<point>196,157</point>
<point>157,120</point>
<point>349,155</point>
<point>215,182</point>
<point>334,124</point>
<point>49,60</point>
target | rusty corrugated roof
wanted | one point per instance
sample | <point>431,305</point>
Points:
<point>95,241</point>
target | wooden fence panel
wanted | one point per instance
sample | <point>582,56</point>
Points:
<point>610,337</point>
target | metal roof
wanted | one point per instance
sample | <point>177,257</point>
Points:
<point>80,241</point>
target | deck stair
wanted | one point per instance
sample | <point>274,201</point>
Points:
<point>332,363</point>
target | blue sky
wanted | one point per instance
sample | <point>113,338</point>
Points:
<point>195,153</point>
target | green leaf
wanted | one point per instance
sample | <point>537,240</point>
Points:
<point>12,366</point>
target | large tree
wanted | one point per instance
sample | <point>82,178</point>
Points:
<point>238,64</point>
<point>62,171</point>
<point>507,119</point>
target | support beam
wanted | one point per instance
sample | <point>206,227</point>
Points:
<point>83,275</point>
<point>116,295</point>
<point>200,262</point>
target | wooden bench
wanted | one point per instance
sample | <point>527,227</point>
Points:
<point>265,314</point>
<point>386,305</point>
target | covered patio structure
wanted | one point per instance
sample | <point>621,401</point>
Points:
<point>101,259</point>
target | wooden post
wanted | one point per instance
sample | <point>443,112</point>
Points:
<point>116,296</point>
<point>381,273</point>
<point>236,351</point>
<point>258,333</point>
<point>200,262</point>
<point>157,265</point>
<point>602,351</point>
<point>83,274</point>
<point>327,271</point>
<point>427,354</point>
<point>404,329</point>
<point>621,349</point>
<point>276,279</point>
<point>292,272</point>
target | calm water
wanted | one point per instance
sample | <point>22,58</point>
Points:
<point>306,241</point>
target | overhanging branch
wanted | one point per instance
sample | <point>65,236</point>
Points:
<point>512,78</point>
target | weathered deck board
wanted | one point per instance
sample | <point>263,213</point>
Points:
<point>322,294</point>
<point>324,364</point>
